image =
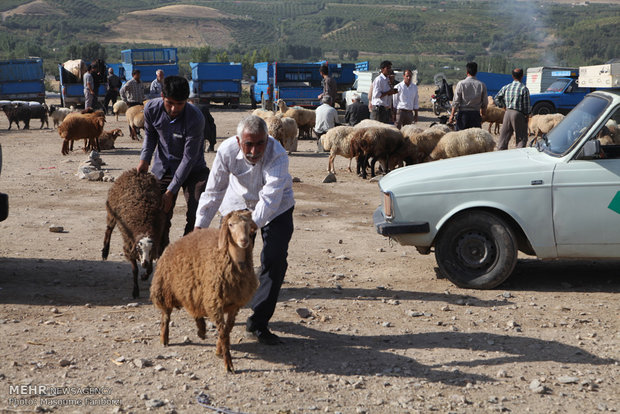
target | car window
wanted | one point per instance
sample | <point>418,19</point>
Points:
<point>557,86</point>
<point>609,136</point>
<point>578,121</point>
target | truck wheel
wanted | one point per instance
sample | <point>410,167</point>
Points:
<point>543,108</point>
<point>234,104</point>
<point>476,250</point>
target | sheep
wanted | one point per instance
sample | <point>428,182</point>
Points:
<point>120,107</point>
<point>365,123</point>
<point>17,114</point>
<point>305,118</point>
<point>81,126</point>
<point>134,203</point>
<point>542,124</point>
<point>284,130</point>
<point>76,67</point>
<point>337,141</point>
<point>424,142</point>
<point>58,114</point>
<point>209,272</point>
<point>464,142</point>
<point>609,135</point>
<point>376,143</point>
<point>135,119</point>
<point>39,111</point>
<point>262,113</point>
<point>494,115</point>
<point>107,139</point>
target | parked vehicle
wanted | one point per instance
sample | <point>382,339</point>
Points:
<point>22,80</point>
<point>4,198</point>
<point>443,95</point>
<point>538,79</point>
<point>216,82</point>
<point>148,61</point>
<point>493,81</point>
<point>72,89</point>
<point>561,96</point>
<point>560,199</point>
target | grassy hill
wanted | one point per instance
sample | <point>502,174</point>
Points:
<point>427,35</point>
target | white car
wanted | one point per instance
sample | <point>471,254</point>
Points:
<point>559,199</point>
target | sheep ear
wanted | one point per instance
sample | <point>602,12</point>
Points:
<point>253,227</point>
<point>223,238</point>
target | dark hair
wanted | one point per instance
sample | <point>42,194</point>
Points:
<point>176,87</point>
<point>324,70</point>
<point>517,74</point>
<point>133,72</point>
<point>385,64</point>
<point>472,68</point>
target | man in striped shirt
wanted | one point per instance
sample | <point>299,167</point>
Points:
<point>515,97</point>
<point>132,91</point>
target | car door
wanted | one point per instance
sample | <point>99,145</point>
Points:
<point>586,205</point>
<point>571,96</point>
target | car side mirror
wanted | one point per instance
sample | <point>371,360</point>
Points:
<point>591,149</point>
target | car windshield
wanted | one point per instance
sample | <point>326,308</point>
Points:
<point>562,138</point>
<point>557,86</point>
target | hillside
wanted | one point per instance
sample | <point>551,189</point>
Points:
<point>423,34</point>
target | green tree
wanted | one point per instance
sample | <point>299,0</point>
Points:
<point>200,54</point>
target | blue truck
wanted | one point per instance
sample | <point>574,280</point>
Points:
<point>148,61</point>
<point>72,89</point>
<point>561,96</point>
<point>297,83</point>
<point>216,82</point>
<point>493,81</point>
<point>22,80</point>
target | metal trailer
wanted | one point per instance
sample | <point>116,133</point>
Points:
<point>22,80</point>
<point>216,82</point>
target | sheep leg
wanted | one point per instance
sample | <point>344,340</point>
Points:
<point>230,322</point>
<point>165,326</point>
<point>134,270</point>
<point>202,327</point>
<point>350,161</point>
<point>65,147</point>
<point>106,239</point>
<point>330,163</point>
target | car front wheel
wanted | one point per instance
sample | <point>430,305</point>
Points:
<point>476,250</point>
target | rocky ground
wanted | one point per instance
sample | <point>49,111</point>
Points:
<point>368,325</point>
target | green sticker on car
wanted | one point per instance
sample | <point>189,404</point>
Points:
<point>615,203</point>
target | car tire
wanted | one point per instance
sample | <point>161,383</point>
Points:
<point>476,250</point>
<point>543,108</point>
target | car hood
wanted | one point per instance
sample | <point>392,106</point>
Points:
<point>466,170</point>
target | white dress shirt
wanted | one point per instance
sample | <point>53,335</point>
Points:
<point>407,97</point>
<point>265,188</point>
<point>380,85</point>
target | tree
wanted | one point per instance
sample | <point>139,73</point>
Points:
<point>201,54</point>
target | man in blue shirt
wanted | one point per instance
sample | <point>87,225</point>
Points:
<point>174,136</point>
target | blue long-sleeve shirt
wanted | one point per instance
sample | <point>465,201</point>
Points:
<point>176,144</point>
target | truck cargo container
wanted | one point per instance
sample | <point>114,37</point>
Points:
<point>148,61</point>
<point>494,81</point>
<point>216,82</point>
<point>538,79</point>
<point>22,80</point>
<point>72,89</point>
<point>600,76</point>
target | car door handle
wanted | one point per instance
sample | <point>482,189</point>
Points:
<point>537,182</point>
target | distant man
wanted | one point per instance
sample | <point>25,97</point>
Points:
<point>157,84</point>
<point>381,92</point>
<point>326,119</point>
<point>356,112</point>
<point>132,91</point>
<point>515,97</point>
<point>114,85</point>
<point>330,88</point>
<point>89,87</point>
<point>470,100</point>
<point>406,101</point>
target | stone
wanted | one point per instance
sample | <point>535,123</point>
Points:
<point>565,379</point>
<point>56,229</point>
<point>304,312</point>
<point>330,178</point>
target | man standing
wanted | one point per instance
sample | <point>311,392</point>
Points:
<point>406,101</point>
<point>157,84</point>
<point>114,85</point>
<point>250,171</point>
<point>330,88</point>
<point>174,135</point>
<point>380,94</point>
<point>515,97</point>
<point>89,87</point>
<point>132,91</point>
<point>470,99</point>
<point>356,112</point>
<point>326,117</point>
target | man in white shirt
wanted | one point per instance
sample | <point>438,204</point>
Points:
<point>381,91</point>
<point>250,171</point>
<point>157,84</point>
<point>326,119</point>
<point>406,101</point>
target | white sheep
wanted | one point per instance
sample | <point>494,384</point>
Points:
<point>542,124</point>
<point>424,142</point>
<point>135,119</point>
<point>464,142</point>
<point>337,141</point>
<point>367,123</point>
<point>58,114</point>
<point>263,113</point>
<point>284,130</point>
<point>209,272</point>
<point>609,135</point>
<point>305,118</point>
<point>119,107</point>
<point>494,115</point>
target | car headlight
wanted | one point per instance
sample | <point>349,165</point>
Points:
<point>388,211</point>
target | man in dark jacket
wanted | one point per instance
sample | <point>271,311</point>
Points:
<point>356,112</point>
<point>114,85</point>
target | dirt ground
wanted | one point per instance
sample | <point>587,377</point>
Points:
<point>368,327</point>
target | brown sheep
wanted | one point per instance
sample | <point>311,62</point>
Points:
<point>134,203</point>
<point>107,139</point>
<point>210,273</point>
<point>135,119</point>
<point>378,143</point>
<point>494,115</point>
<point>81,126</point>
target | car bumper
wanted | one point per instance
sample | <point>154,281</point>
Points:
<point>388,229</point>
<point>4,206</point>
